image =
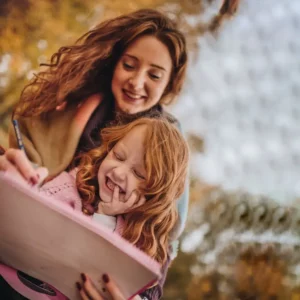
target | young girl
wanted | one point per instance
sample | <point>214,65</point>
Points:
<point>133,181</point>
<point>139,170</point>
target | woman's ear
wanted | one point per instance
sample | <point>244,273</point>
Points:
<point>61,107</point>
<point>167,98</point>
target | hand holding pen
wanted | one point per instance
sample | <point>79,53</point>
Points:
<point>16,162</point>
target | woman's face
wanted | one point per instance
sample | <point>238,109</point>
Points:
<point>124,166</point>
<point>141,75</point>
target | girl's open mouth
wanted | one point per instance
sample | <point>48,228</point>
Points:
<point>111,185</point>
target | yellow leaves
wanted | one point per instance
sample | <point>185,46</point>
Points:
<point>61,22</point>
<point>127,6</point>
<point>10,40</point>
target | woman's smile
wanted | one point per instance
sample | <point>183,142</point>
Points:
<point>131,97</point>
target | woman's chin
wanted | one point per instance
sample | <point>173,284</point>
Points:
<point>128,108</point>
<point>124,109</point>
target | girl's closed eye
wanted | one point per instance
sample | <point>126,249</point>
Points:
<point>118,156</point>
<point>139,175</point>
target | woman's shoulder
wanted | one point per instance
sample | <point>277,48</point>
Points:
<point>171,118</point>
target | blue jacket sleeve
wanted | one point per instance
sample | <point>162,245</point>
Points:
<point>183,204</point>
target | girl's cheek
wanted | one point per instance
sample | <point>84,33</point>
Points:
<point>131,186</point>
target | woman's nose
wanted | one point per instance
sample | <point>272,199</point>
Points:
<point>137,81</point>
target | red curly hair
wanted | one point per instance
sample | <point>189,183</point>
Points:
<point>78,71</point>
<point>166,161</point>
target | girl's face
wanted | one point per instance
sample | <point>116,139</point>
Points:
<point>123,166</point>
<point>141,75</point>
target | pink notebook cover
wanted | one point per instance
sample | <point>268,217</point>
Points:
<point>50,241</point>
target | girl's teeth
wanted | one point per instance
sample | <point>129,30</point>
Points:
<point>110,184</point>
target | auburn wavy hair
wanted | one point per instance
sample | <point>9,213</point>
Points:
<point>166,162</point>
<point>78,71</point>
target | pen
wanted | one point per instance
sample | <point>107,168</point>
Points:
<point>19,139</point>
<point>18,135</point>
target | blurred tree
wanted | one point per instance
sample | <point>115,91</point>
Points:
<point>179,276</point>
<point>237,246</point>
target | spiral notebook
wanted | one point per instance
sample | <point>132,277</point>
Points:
<point>50,241</point>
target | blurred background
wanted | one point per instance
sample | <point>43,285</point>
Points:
<point>240,111</point>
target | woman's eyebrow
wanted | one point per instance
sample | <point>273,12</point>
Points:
<point>152,65</point>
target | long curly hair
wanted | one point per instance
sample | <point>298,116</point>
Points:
<point>166,162</point>
<point>78,71</point>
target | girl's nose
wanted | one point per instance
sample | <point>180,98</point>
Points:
<point>119,174</point>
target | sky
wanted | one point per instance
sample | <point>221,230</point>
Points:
<point>243,97</point>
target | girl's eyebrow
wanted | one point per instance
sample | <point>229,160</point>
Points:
<point>140,167</point>
<point>152,65</point>
<point>123,149</point>
<point>120,147</point>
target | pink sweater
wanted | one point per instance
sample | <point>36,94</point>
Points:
<point>63,188</point>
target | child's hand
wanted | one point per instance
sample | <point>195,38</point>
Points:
<point>117,207</point>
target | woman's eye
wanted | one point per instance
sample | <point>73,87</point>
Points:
<point>128,66</point>
<point>154,76</point>
<point>139,175</point>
